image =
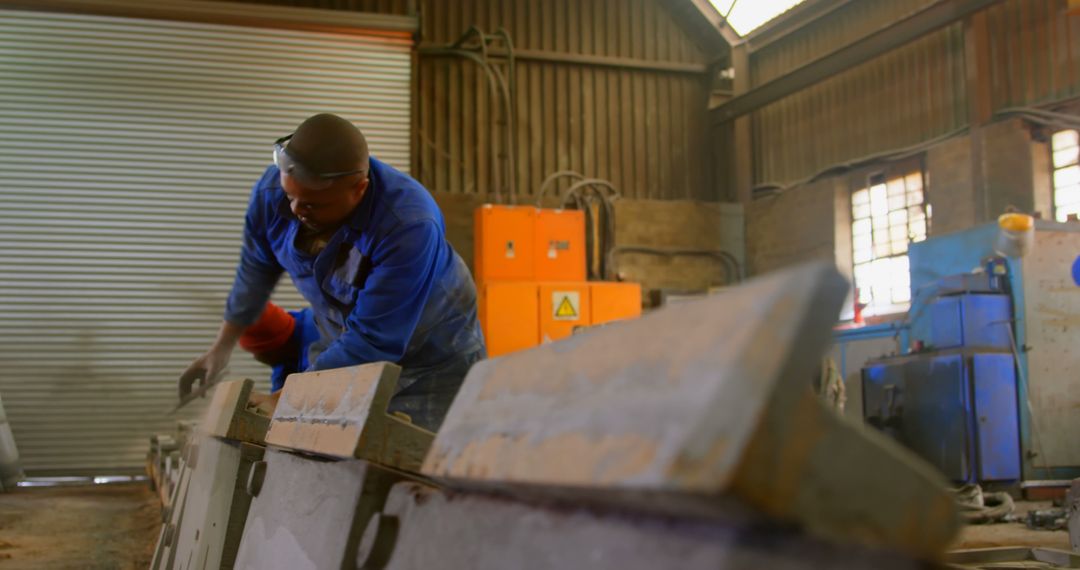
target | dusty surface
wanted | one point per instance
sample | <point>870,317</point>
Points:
<point>1012,534</point>
<point>99,527</point>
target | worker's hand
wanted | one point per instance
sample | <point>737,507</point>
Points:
<point>207,368</point>
<point>264,403</point>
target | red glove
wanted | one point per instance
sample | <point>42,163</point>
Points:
<point>270,333</point>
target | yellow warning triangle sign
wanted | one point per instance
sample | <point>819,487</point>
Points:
<point>566,309</point>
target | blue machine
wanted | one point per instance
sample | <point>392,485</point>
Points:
<point>956,409</point>
<point>961,304</point>
<point>971,320</point>
<point>955,404</point>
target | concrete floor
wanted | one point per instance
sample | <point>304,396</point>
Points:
<point>115,527</point>
<point>99,527</point>
<point>1013,534</point>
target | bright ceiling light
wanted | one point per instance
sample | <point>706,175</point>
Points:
<point>749,15</point>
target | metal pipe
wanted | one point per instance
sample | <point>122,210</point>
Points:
<point>503,85</point>
<point>552,178</point>
<point>511,117</point>
<point>493,86</point>
<point>732,267</point>
<point>595,61</point>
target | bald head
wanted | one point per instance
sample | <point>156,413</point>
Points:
<point>327,143</point>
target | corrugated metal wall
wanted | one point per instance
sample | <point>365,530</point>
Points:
<point>400,7</point>
<point>844,25</point>
<point>911,95</point>
<point>129,151</point>
<point>1035,52</point>
<point>647,131</point>
<point>643,130</point>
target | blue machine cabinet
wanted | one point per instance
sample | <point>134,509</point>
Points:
<point>1045,306</point>
<point>973,321</point>
<point>956,409</point>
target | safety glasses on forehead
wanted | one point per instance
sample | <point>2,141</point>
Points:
<point>314,180</point>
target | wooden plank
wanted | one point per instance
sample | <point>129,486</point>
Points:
<point>230,414</point>
<point>722,409</point>
<point>342,413</point>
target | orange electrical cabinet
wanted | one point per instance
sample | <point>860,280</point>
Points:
<point>610,301</point>
<point>504,243</point>
<point>559,244</point>
<point>509,316</point>
<point>563,306</point>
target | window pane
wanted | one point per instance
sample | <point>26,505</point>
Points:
<point>896,187</point>
<point>878,204</point>
<point>902,268</point>
<point>896,202</point>
<point>913,181</point>
<point>1067,195</point>
<point>1068,176</point>
<point>918,230</point>
<point>881,293</point>
<point>1064,139</point>
<point>861,241</point>
<point>884,284</point>
<point>860,228</point>
<point>1064,211</point>
<point>898,234</point>
<point>886,217</point>
<point>901,295</point>
<point>915,198</point>
<point>862,276</point>
<point>1065,157</point>
<point>861,197</point>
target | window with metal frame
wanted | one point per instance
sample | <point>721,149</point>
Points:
<point>887,214</point>
<point>1065,146</point>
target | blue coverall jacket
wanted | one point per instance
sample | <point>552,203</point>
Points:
<point>387,287</point>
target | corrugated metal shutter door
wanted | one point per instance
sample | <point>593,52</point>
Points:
<point>128,153</point>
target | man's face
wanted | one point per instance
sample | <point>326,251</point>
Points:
<point>325,209</point>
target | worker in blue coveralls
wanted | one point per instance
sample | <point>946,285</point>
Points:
<point>364,243</point>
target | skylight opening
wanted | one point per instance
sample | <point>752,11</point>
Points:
<point>750,15</point>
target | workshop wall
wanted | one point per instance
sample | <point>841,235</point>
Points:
<point>925,94</point>
<point>811,221</point>
<point>615,89</point>
<point>792,227</point>
<point>913,94</point>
